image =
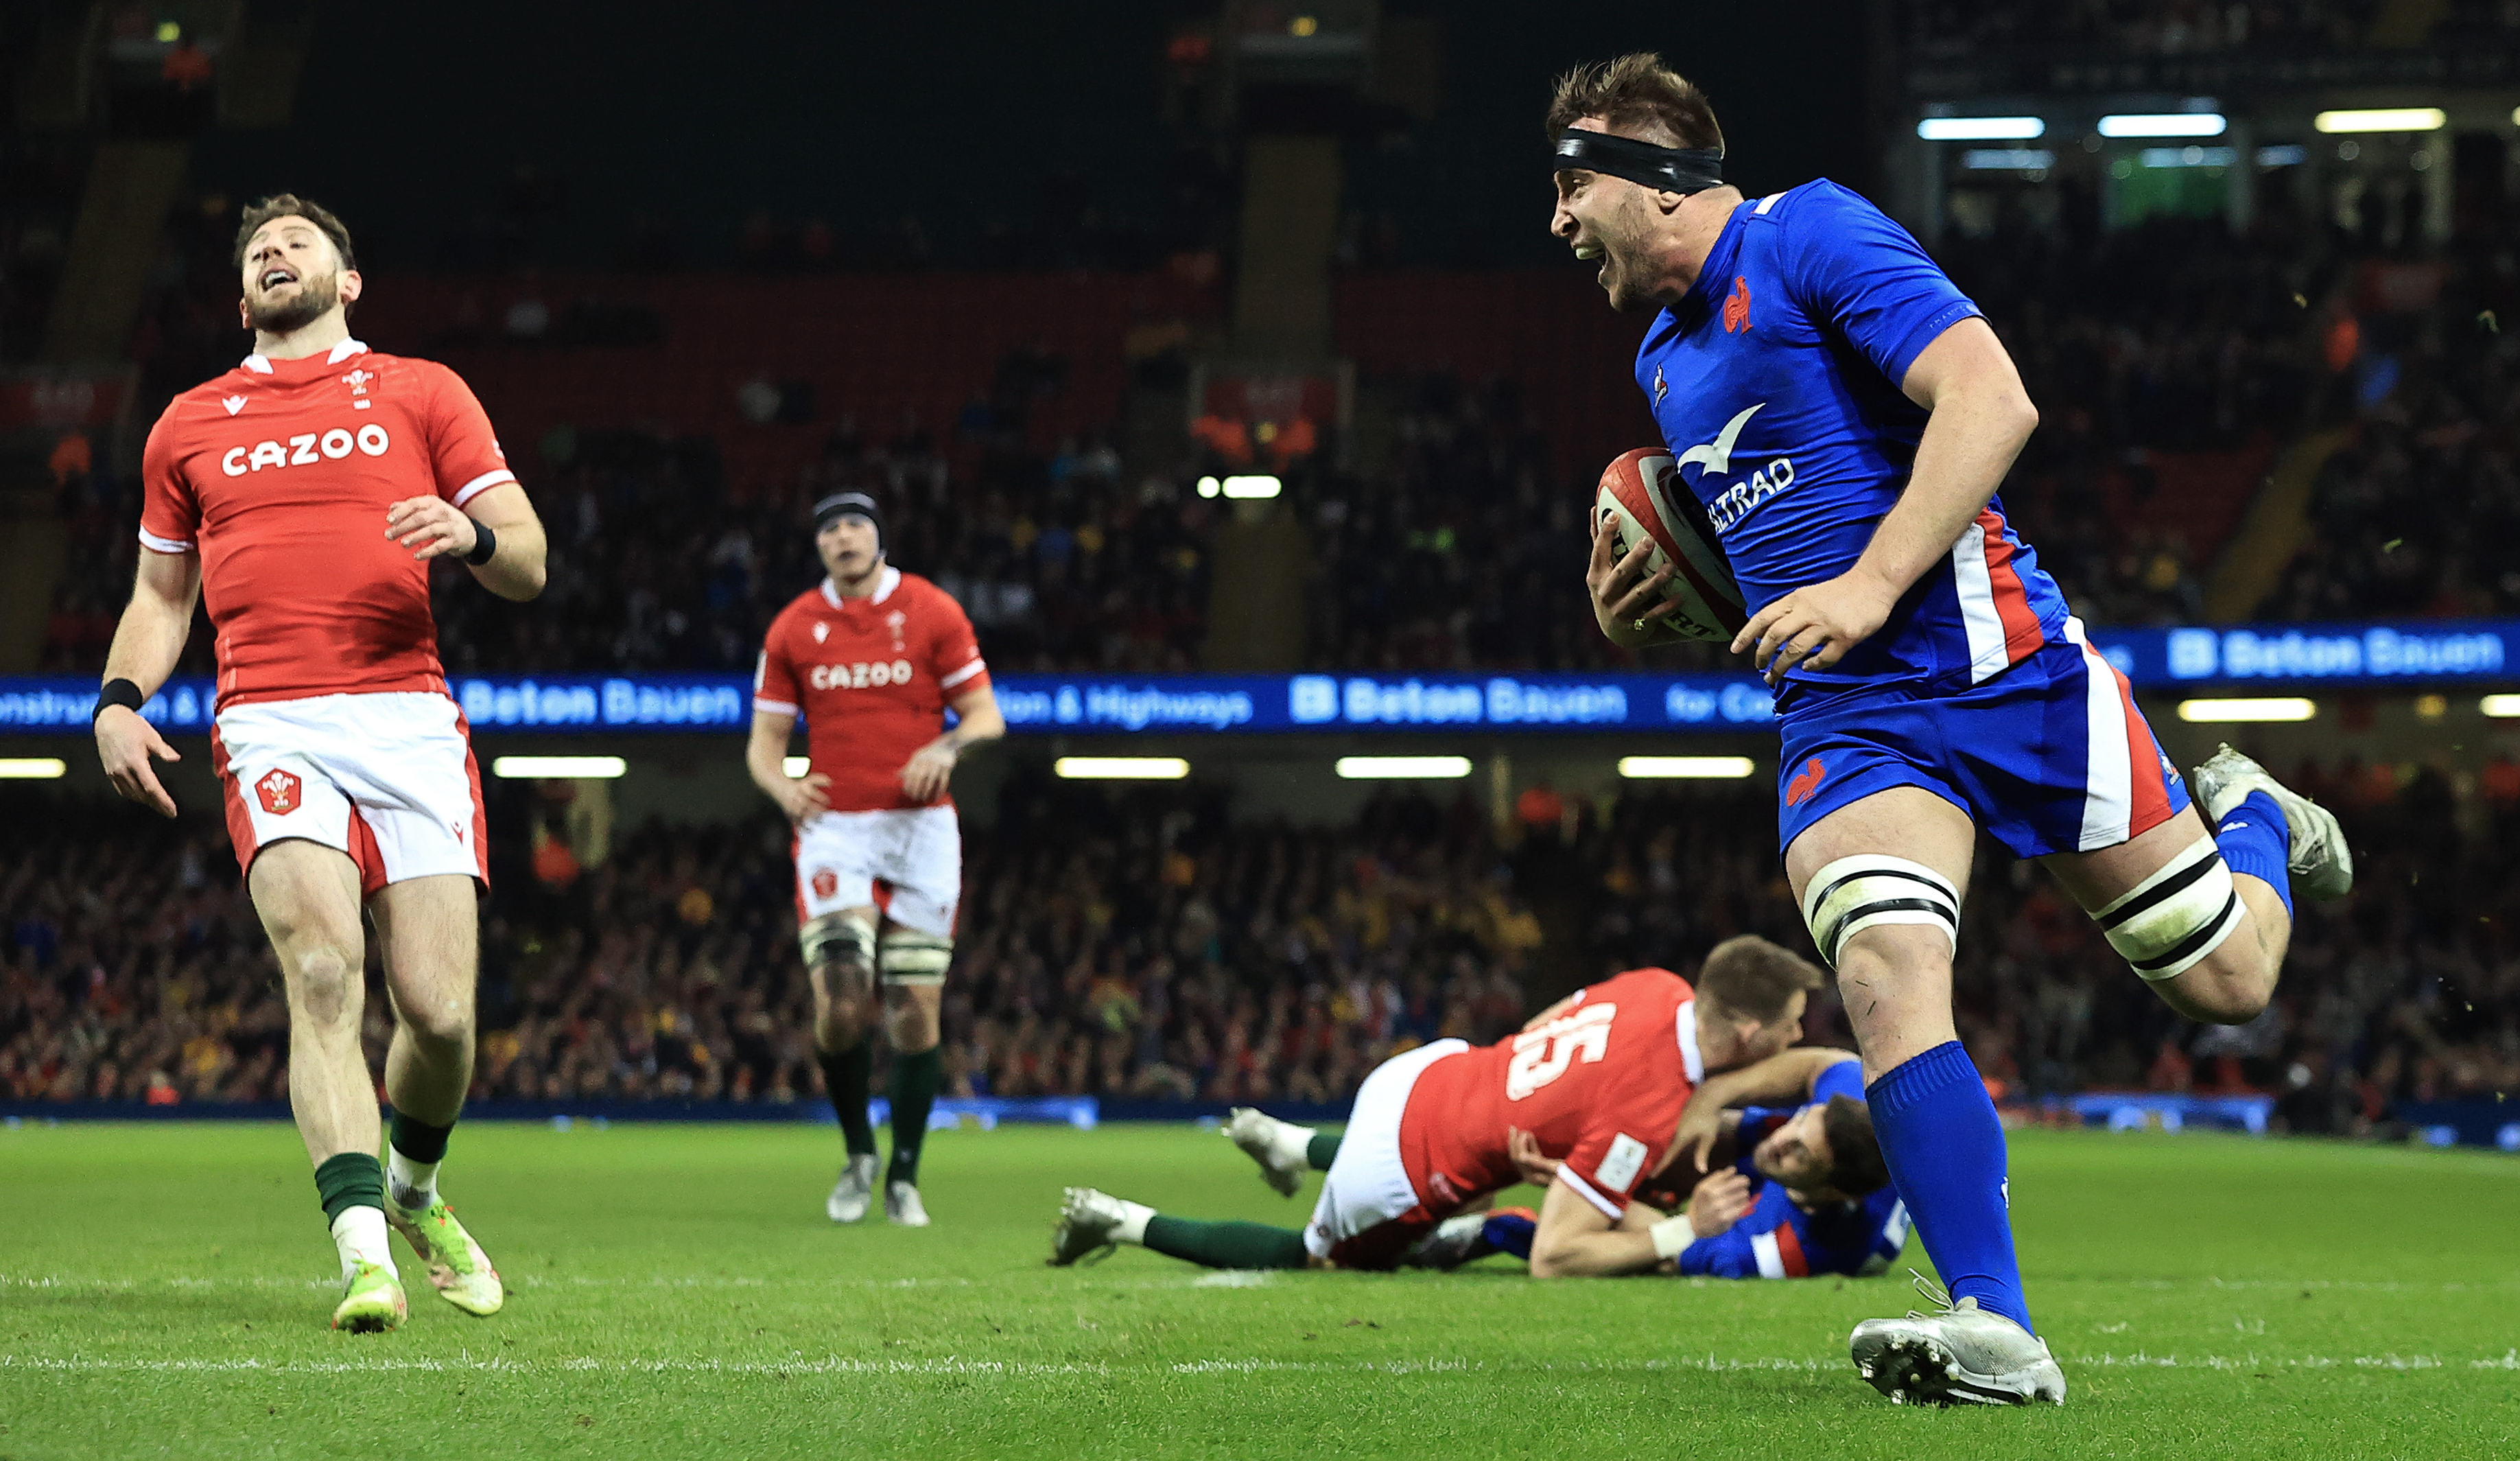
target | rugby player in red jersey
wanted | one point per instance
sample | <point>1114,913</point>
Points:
<point>303,494</point>
<point>873,658</point>
<point>1602,1076</point>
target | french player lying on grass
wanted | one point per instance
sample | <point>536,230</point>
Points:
<point>1806,1194</point>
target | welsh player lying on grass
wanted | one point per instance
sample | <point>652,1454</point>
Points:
<point>1603,1076</point>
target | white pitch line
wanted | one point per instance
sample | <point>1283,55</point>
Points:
<point>2509,1360</point>
<point>524,1280</point>
<point>829,1365</point>
<point>1217,1279</point>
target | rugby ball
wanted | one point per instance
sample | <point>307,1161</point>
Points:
<point>1642,499</point>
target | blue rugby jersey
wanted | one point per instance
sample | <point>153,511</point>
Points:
<point>1775,383</point>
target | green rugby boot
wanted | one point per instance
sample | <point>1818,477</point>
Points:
<point>457,1266</point>
<point>372,1301</point>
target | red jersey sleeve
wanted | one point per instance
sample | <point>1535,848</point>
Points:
<point>954,651</point>
<point>1613,1155</point>
<point>463,450</point>
<point>774,681</point>
<point>169,513</point>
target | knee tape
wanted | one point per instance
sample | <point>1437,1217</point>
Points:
<point>909,957</point>
<point>1854,894</point>
<point>840,935</point>
<point>2172,920</point>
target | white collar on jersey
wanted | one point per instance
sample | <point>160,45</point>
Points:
<point>260,364</point>
<point>1685,1026</point>
<point>883,586</point>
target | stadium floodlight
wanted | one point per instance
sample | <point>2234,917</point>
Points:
<point>2163,124</point>
<point>2253,707</point>
<point>1696,767</point>
<point>1402,767</point>
<point>33,768</point>
<point>795,765</point>
<point>2008,158</point>
<point>2500,707</point>
<point>1980,128</point>
<point>1252,486</point>
<point>557,767</point>
<point>2383,119</point>
<point>1209,486</point>
<point>1121,767</point>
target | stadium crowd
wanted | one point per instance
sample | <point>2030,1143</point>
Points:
<point>2169,28</point>
<point>1448,540</point>
<point>2417,510</point>
<point>1145,946</point>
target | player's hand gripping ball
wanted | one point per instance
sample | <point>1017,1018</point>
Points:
<point>1660,543</point>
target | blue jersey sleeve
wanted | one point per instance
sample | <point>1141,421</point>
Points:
<point>1727,1255</point>
<point>1855,270</point>
<point>1845,1079</point>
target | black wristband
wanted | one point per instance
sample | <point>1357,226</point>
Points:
<point>117,692</point>
<point>486,544</point>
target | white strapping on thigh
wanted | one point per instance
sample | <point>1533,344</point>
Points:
<point>2170,922</point>
<point>1854,894</point>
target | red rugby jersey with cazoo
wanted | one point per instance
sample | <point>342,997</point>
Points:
<point>872,676</point>
<point>281,473</point>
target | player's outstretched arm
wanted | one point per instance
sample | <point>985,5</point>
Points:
<point>1576,1239</point>
<point>1785,1078</point>
<point>434,527</point>
<point>147,644</point>
<point>1980,417</point>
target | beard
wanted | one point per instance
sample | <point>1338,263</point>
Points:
<point>315,297</point>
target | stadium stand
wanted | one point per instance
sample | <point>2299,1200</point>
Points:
<point>2139,27</point>
<point>1149,946</point>
<point>2174,361</point>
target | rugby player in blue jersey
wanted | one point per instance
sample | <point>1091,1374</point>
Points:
<point>1844,414</point>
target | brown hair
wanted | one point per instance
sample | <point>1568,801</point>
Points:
<point>291,206</point>
<point>1854,1162</point>
<point>1636,93</point>
<point>1754,979</point>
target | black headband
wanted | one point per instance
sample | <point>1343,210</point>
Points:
<point>1665,170</point>
<point>848,505</point>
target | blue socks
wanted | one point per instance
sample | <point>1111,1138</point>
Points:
<point>2256,839</point>
<point>1944,1148</point>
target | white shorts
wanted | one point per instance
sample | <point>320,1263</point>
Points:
<point>387,779</point>
<point>1366,1184</point>
<point>906,861</point>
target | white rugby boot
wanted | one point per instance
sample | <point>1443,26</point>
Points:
<point>854,1192</point>
<point>1278,1146</point>
<point>902,1207</point>
<point>1087,1222</point>
<point>2320,861</point>
<point>1960,1354</point>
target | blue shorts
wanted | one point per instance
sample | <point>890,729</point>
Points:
<point>2051,755</point>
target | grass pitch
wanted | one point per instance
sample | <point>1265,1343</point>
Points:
<point>676,1292</point>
